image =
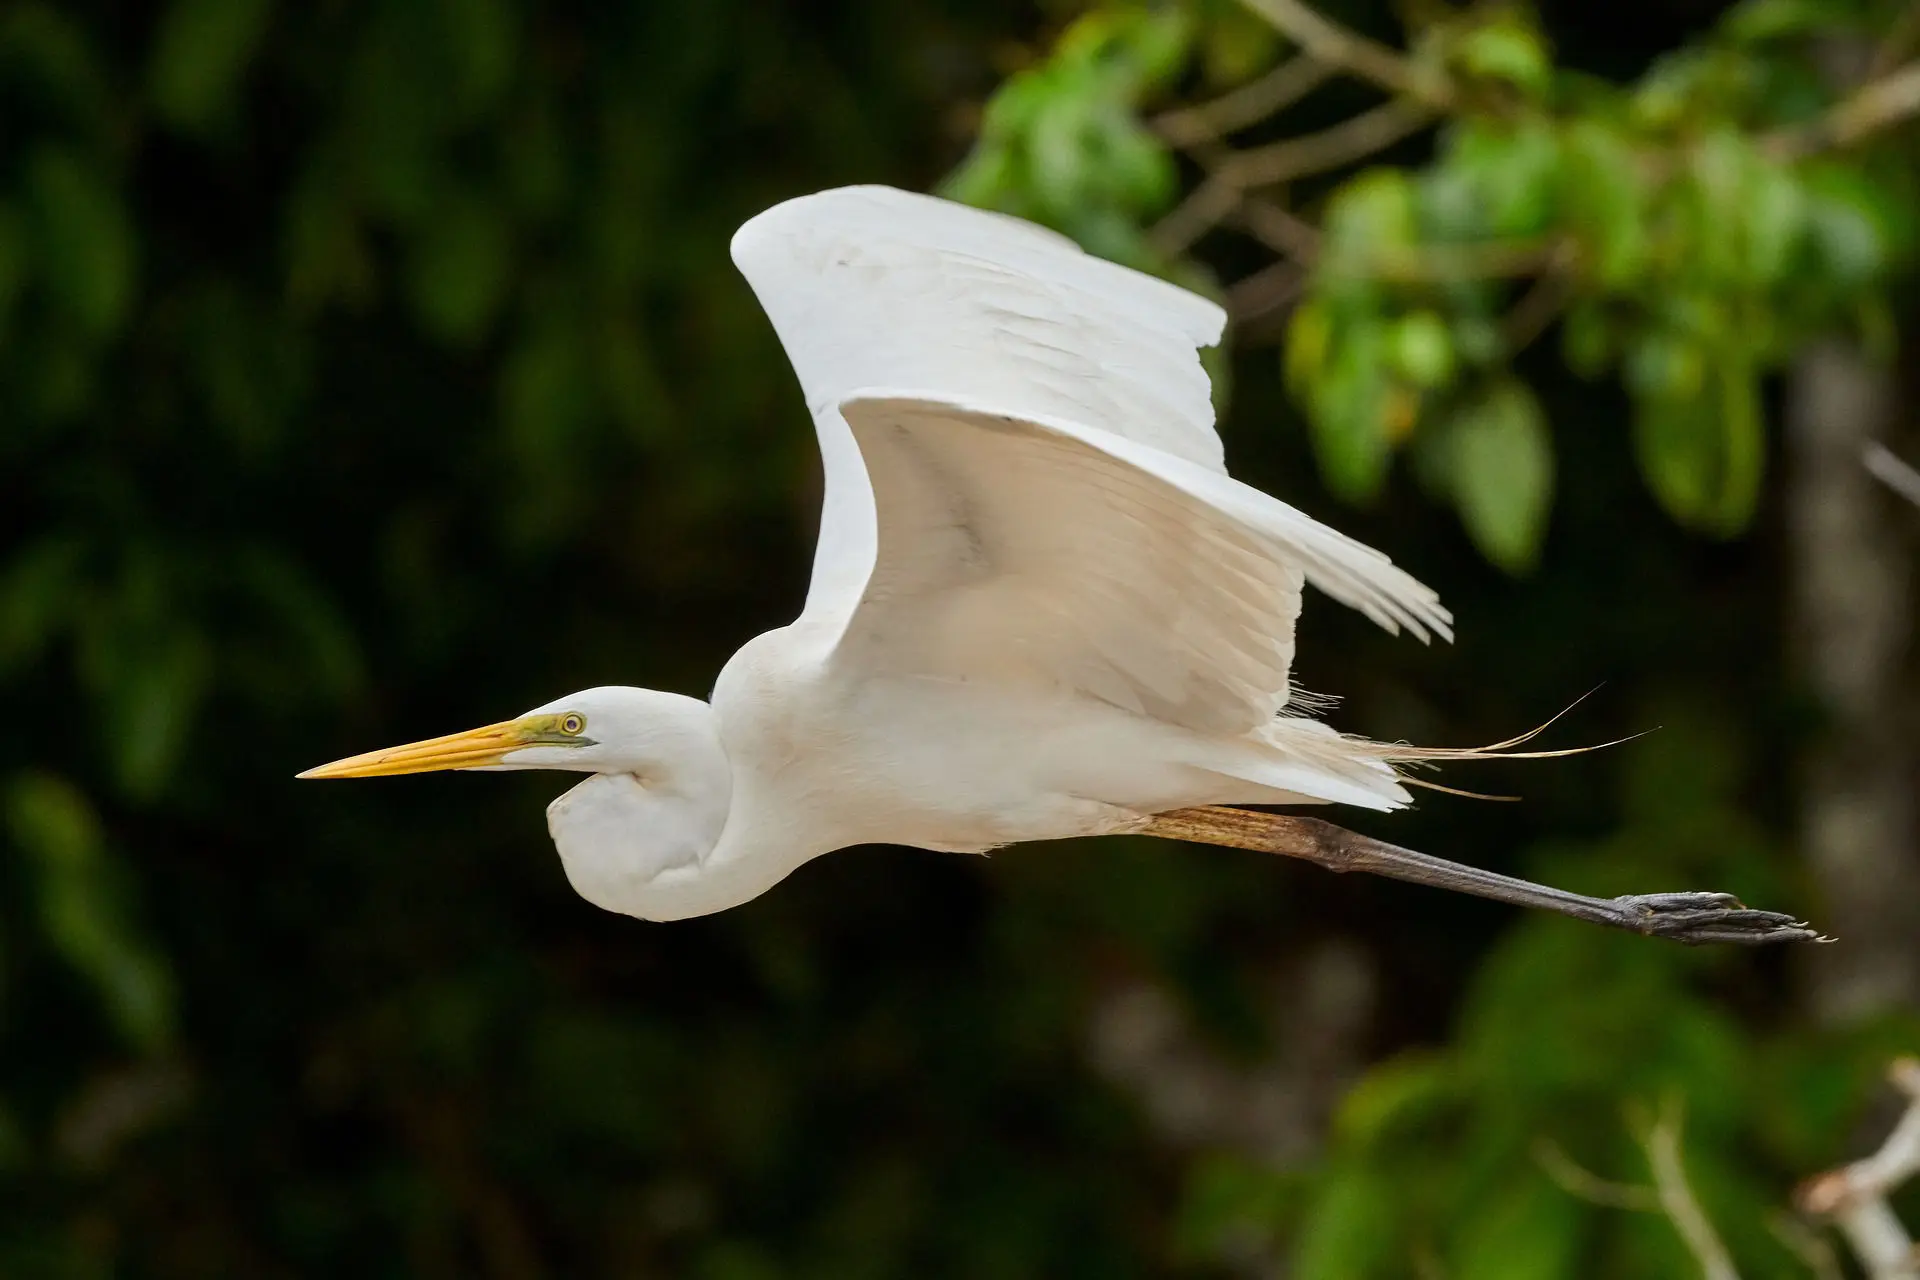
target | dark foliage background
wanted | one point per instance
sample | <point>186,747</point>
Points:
<point>375,368</point>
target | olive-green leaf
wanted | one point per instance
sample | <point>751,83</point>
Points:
<point>201,54</point>
<point>84,239</point>
<point>1346,405</point>
<point>1506,50</point>
<point>458,269</point>
<point>1528,1230</point>
<point>82,908</point>
<point>1422,349</point>
<point>1700,442</point>
<point>1502,472</point>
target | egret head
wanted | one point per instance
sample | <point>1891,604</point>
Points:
<point>606,730</point>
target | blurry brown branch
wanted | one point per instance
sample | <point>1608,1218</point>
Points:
<point>1874,106</point>
<point>1660,1140</point>
<point>1270,289</point>
<point>1249,104</point>
<point>1327,41</point>
<point>1280,229</point>
<point>1899,38</point>
<point>1806,1244</point>
<point>1334,147</point>
<point>1854,1197</point>
<point>1231,174</point>
<point>1670,1195</point>
<point>1543,299</point>
<point>1887,467</point>
<point>1583,1184</point>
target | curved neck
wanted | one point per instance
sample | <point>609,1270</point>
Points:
<point>659,844</point>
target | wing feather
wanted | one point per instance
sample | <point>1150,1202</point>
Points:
<point>869,286</point>
<point>1034,495</point>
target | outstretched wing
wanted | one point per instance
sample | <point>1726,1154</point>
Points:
<point>1023,483</point>
<point>872,287</point>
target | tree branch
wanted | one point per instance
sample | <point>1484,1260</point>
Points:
<point>1584,1184</point>
<point>1887,467</point>
<point>1876,105</point>
<point>1661,1143</point>
<point>1329,42</point>
<point>1249,104</point>
<point>1351,140</point>
<point>1279,230</point>
<point>1231,173</point>
<point>1542,301</point>
<point>1266,291</point>
<point>1855,1197</point>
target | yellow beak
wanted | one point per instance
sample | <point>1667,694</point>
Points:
<point>469,750</point>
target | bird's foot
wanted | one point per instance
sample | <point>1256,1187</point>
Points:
<point>1695,918</point>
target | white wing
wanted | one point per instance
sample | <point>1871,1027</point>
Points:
<point>1023,483</point>
<point>872,287</point>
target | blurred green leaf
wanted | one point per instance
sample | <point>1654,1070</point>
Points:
<point>1853,223</point>
<point>38,588</point>
<point>46,49</point>
<point>1587,339</point>
<point>1758,21</point>
<point>1348,404</point>
<point>1404,1090</point>
<point>201,54</point>
<point>1502,472</point>
<point>1348,1230</point>
<point>1698,431</point>
<point>1371,215</point>
<point>481,40</point>
<point>1506,50</point>
<point>15,263</point>
<point>1423,349</point>
<point>1527,1230</point>
<point>1604,192</point>
<point>151,708</point>
<point>1235,44</point>
<point>83,240</point>
<point>85,918</point>
<point>458,269</point>
<point>1493,180</point>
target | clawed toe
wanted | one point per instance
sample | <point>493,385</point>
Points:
<point>1695,918</point>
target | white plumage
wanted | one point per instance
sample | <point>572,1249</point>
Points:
<point>1040,607</point>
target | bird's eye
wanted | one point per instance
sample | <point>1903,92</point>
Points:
<point>572,722</point>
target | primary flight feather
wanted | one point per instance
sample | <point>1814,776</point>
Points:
<point>1040,607</point>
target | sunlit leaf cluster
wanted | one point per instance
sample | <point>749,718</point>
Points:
<point>1682,234</point>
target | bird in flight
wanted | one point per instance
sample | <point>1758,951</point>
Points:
<point>1040,606</point>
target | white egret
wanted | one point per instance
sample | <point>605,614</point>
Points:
<point>1040,607</point>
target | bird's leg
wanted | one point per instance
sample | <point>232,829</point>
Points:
<point>1691,918</point>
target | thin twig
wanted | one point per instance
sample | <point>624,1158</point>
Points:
<point>1894,45</point>
<point>1877,104</point>
<point>1854,1198</point>
<point>1542,301</point>
<point>1487,260</point>
<point>1205,207</point>
<point>1328,41</point>
<point>1890,470</point>
<point>1279,229</point>
<point>1231,173</point>
<point>1249,104</point>
<point>1661,1142</point>
<point>1351,140</point>
<point>1584,1184</point>
<point>1806,1244</point>
<point>1270,289</point>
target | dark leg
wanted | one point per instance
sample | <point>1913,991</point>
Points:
<point>1691,918</point>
